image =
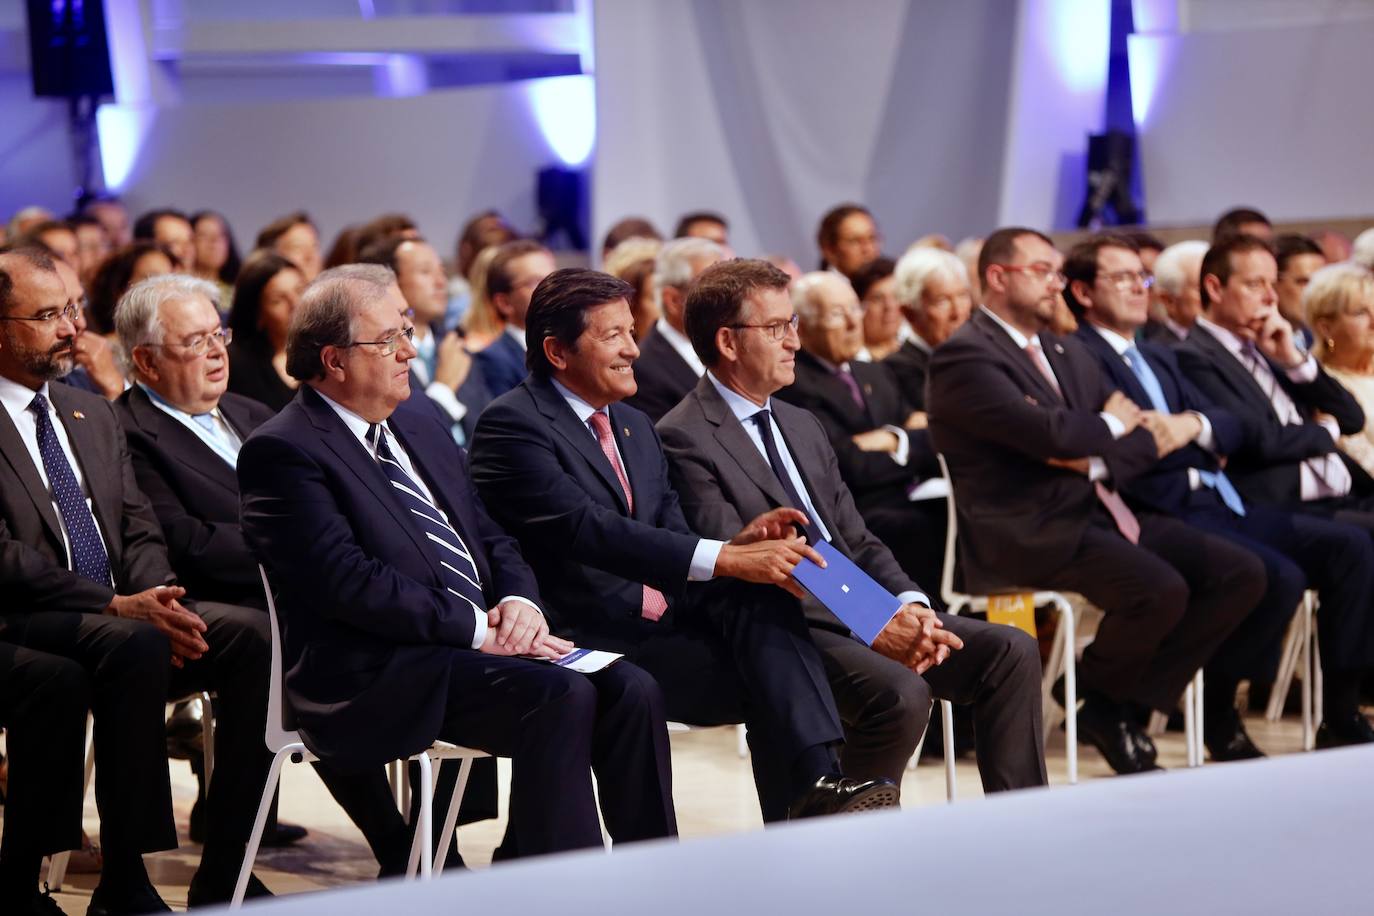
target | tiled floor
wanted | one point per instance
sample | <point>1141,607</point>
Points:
<point>712,786</point>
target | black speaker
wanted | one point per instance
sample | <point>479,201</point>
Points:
<point>561,195</point>
<point>1111,158</point>
<point>69,52</point>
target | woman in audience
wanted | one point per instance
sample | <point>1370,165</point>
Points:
<point>1339,301</point>
<point>134,262</point>
<point>217,255</point>
<point>481,324</point>
<point>268,289</point>
<point>345,247</point>
<point>295,238</point>
<point>848,239</point>
<point>876,288</point>
<point>484,231</point>
<point>633,261</point>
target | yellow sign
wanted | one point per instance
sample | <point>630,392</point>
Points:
<point>1014,610</point>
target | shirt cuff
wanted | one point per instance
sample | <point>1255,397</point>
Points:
<point>903,445</point>
<point>479,629</point>
<point>1332,427</point>
<point>1204,439</point>
<point>443,395</point>
<point>1114,425</point>
<point>1097,469</point>
<point>914,597</point>
<point>704,560</point>
<point>1304,372</point>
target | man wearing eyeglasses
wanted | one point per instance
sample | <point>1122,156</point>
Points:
<point>1039,444</point>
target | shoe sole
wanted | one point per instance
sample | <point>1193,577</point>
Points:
<point>875,799</point>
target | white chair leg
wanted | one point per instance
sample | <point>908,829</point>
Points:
<point>1068,626</point>
<point>1288,662</point>
<point>1199,723</point>
<point>424,830</point>
<point>451,817</point>
<point>947,729</point>
<point>403,789</point>
<point>250,852</point>
<point>742,741</point>
<point>1056,666</point>
<point>916,754</point>
<point>1188,723</point>
<point>207,735</point>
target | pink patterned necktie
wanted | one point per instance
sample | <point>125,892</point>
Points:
<point>653,604</point>
<point>1116,507</point>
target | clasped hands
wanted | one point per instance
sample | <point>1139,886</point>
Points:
<point>916,638</point>
<point>517,628</point>
<point>1171,431</point>
<point>160,607</point>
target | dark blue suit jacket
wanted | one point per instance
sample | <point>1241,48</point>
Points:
<point>547,481</point>
<point>1164,488</point>
<point>502,364</point>
<point>369,632</point>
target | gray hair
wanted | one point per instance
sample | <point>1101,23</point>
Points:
<point>803,291</point>
<point>137,318</point>
<point>918,266</point>
<point>326,312</point>
<point>1362,250</point>
<point>1171,267</point>
<point>673,264</point>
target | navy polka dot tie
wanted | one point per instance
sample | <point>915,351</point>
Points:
<point>88,551</point>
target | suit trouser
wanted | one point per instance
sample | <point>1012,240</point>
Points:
<point>743,653</point>
<point>558,727</point>
<point>1168,603</point>
<point>885,705</point>
<point>43,703</point>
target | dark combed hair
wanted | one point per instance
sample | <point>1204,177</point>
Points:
<point>1287,247</point>
<point>628,228</point>
<point>1229,223</point>
<point>499,279</point>
<point>828,232</point>
<point>1000,247</point>
<point>145,227</point>
<point>229,271</point>
<point>1081,263</point>
<point>37,257</point>
<point>383,251</point>
<point>282,225</point>
<point>386,226</point>
<point>112,278</point>
<point>865,277</point>
<point>471,239</point>
<point>1217,260</point>
<point>716,300</point>
<point>559,307</point>
<point>699,216</point>
<point>1144,240</point>
<point>256,273</point>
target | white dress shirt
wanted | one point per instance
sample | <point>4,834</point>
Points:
<point>681,345</point>
<point>426,346</point>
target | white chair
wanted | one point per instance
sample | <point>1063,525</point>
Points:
<point>1300,648</point>
<point>1061,654</point>
<point>286,744</point>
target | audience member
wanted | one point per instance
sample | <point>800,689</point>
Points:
<point>865,417</point>
<point>848,239</point>
<point>516,269</point>
<point>345,248</point>
<point>555,460</point>
<point>785,264</point>
<point>122,269</point>
<point>58,237</point>
<point>384,227</point>
<point>1362,252</point>
<point>355,506</point>
<point>480,323</point>
<point>26,219</point>
<point>172,230</point>
<point>295,238</point>
<point>1339,303</point>
<point>633,261</point>
<point>667,366</point>
<point>110,601</point>
<point>1334,245</point>
<point>1039,444</point>
<point>217,255</point>
<point>1148,246</point>
<point>1107,283</point>
<point>268,290</point>
<point>1298,258</point>
<point>934,293</point>
<point>737,453</point>
<point>92,246</point>
<point>967,251</point>
<point>704,224</point>
<point>628,228</point>
<point>114,216</point>
<point>484,230</point>
<point>1176,292</point>
<point>884,327</point>
<point>1242,221</point>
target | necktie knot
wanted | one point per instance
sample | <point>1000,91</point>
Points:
<point>39,404</point>
<point>601,425</point>
<point>206,421</point>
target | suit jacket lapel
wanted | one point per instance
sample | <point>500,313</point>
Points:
<point>641,455</point>
<point>1121,374</point>
<point>1020,361</point>
<point>17,454</point>
<point>829,386</point>
<point>1239,375</point>
<point>181,441</point>
<point>729,432</point>
<point>566,424</point>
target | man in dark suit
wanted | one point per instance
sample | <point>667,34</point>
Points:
<point>404,606</point>
<point>184,433</point>
<point>80,530</point>
<point>935,296</point>
<point>43,704</point>
<point>736,452</point>
<point>1242,354</point>
<point>1038,445</point>
<point>443,371</point>
<point>865,416</point>
<point>515,271</point>
<point>667,367</point>
<point>1107,289</point>
<point>581,479</point>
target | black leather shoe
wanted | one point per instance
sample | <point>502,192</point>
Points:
<point>202,893</point>
<point>105,902</point>
<point>1227,739</point>
<point>1125,748</point>
<point>842,795</point>
<point>1344,732</point>
<point>40,904</point>
<point>283,834</point>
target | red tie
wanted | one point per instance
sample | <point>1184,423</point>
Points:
<point>654,604</point>
<point>1125,519</point>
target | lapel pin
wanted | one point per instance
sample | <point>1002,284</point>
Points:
<point>1031,400</point>
<point>626,430</point>
<point>1059,348</point>
<point>78,415</point>
<point>868,388</point>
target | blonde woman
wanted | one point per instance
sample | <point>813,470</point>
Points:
<point>481,325</point>
<point>1339,301</point>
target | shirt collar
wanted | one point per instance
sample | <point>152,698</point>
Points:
<point>518,335</point>
<point>356,424</point>
<point>1114,340</point>
<point>830,367</point>
<point>679,342</point>
<point>1021,340</point>
<point>1227,339</point>
<point>739,405</point>
<point>919,342</point>
<point>580,407</point>
<point>171,408</point>
<point>17,397</point>
<point>425,341</point>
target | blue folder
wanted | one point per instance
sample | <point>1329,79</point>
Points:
<point>850,593</point>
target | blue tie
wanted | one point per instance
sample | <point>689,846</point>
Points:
<point>1150,382</point>
<point>459,569</point>
<point>88,551</point>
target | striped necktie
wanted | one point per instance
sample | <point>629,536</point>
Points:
<point>456,562</point>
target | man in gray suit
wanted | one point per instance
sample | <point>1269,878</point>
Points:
<point>735,452</point>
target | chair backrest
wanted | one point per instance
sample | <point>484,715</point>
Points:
<point>947,593</point>
<point>276,735</point>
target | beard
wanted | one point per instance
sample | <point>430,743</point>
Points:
<point>48,365</point>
